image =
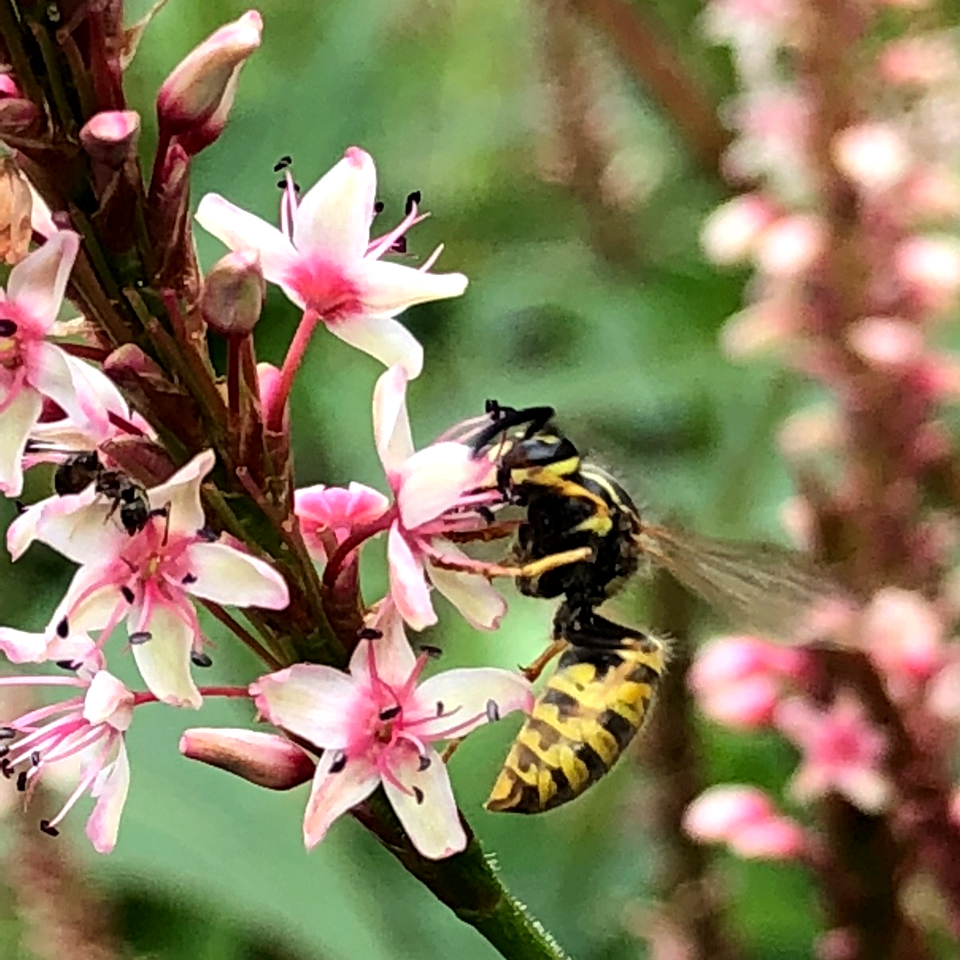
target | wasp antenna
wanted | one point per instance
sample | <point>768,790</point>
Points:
<point>506,418</point>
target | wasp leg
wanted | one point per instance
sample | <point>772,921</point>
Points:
<point>527,570</point>
<point>496,531</point>
<point>533,670</point>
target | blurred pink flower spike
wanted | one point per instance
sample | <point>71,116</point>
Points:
<point>426,485</point>
<point>195,100</point>
<point>92,726</point>
<point>149,577</point>
<point>265,759</point>
<point>328,515</point>
<point>842,752</point>
<point>377,726</point>
<point>31,368</point>
<point>745,819</point>
<point>325,262</point>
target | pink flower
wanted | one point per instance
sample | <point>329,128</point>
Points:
<point>426,484</point>
<point>147,578</point>
<point>931,266</point>
<point>842,752</point>
<point>328,515</point>
<point>91,726</point>
<point>325,262</point>
<point>730,234</point>
<point>32,368</point>
<point>745,819</point>
<point>376,726</point>
<point>873,156</point>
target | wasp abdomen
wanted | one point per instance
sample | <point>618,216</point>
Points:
<point>591,708</point>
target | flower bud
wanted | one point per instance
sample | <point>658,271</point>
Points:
<point>265,759</point>
<point>110,137</point>
<point>16,205</point>
<point>18,117</point>
<point>202,86</point>
<point>729,235</point>
<point>8,86</point>
<point>233,292</point>
<point>873,156</point>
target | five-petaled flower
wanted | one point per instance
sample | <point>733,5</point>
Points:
<point>90,726</point>
<point>326,263</point>
<point>146,578</point>
<point>435,490</point>
<point>32,368</point>
<point>376,725</point>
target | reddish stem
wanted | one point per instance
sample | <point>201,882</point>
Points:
<point>298,347</point>
<point>336,562</point>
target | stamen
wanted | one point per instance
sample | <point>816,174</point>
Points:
<point>439,708</point>
<point>434,653</point>
<point>493,711</point>
<point>189,578</point>
<point>339,762</point>
<point>390,712</point>
<point>399,245</point>
<point>412,198</point>
<point>70,665</point>
<point>20,506</point>
<point>424,763</point>
<point>199,659</point>
<point>378,207</point>
<point>139,636</point>
<point>63,629</point>
<point>6,769</point>
<point>4,751</point>
<point>22,781</point>
<point>35,758</point>
<point>208,535</point>
<point>128,594</point>
<point>486,514</point>
<point>7,733</point>
<point>369,633</point>
<point>7,327</point>
<point>282,163</point>
<point>48,830</point>
<point>418,795</point>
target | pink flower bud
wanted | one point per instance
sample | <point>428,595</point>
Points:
<point>265,759</point>
<point>873,156</point>
<point>931,264</point>
<point>730,233</point>
<point>204,83</point>
<point>943,693</point>
<point>886,342</point>
<point>18,116</point>
<point>919,61</point>
<point>110,137</point>
<point>761,328</point>
<point>336,512</point>
<point>799,521</point>
<point>933,193</point>
<point>811,431</point>
<point>16,206</point>
<point>790,246</point>
<point>8,86</point>
<point>233,291</point>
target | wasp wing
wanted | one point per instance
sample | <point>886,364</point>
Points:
<point>760,587</point>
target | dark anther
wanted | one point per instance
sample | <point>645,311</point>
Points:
<point>434,653</point>
<point>139,636</point>
<point>63,628</point>
<point>493,711</point>
<point>339,762</point>
<point>399,245</point>
<point>70,665</point>
<point>3,752</point>
<point>486,514</point>
<point>48,830</point>
<point>205,533</point>
<point>412,198</point>
<point>418,794</point>
<point>189,578</point>
<point>282,163</point>
<point>22,781</point>
<point>199,659</point>
<point>6,769</point>
<point>7,733</point>
<point>369,633</point>
<point>35,758</point>
<point>425,762</point>
<point>439,708</point>
<point>7,327</point>
<point>128,594</point>
<point>378,207</point>
<point>282,184</point>
<point>390,713</point>
<point>296,188</point>
<point>21,507</point>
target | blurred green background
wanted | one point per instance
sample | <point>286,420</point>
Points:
<point>587,292</point>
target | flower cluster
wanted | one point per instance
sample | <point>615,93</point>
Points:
<point>166,469</point>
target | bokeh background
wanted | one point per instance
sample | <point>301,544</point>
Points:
<point>565,192</point>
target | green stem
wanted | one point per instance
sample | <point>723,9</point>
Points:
<point>468,884</point>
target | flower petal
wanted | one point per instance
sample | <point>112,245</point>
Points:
<point>164,659</point>
<point>333,218</point>
<point>391,425</point>
<point>97,395</point>
<point>434,479</point>
<point>52,373</point>
<point>77,526</point>
<point>382,338</point>
<point>16,422</point>
<point>181,494</point>
<point>335,793</point>
<point>428,812</point>
<point>90,602</point>
<point>389,288</point>
<point>20,646</point>
<point>110,788</point>
<point>476,599</point>
<point>408,586</point>
<point>227,575</point>
<point>468,692</point>
<point>312,701</point>
<point>392,654</point>
<point>108,701</point>
<point>241,230</point>
<point>38,282</point>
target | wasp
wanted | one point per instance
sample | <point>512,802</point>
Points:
<point>127,497</point>
<point>581,539</point>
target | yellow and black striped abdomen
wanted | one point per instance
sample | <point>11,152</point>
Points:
<point>591,708</point>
